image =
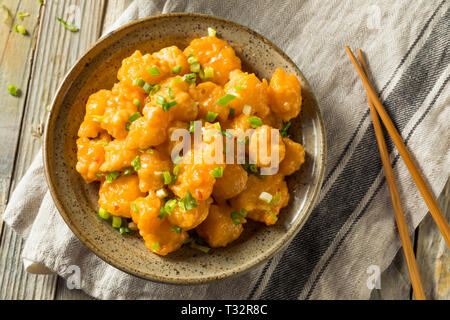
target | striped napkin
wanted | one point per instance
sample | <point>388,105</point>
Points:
<point>351,233</point>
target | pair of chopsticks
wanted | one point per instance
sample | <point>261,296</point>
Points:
<point>377,110</point>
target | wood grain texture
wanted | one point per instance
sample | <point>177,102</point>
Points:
<point>114,8</point>
<point>56,51</point>
<point>433,255</point>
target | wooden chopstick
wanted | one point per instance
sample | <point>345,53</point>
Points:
<point>397,139</point>
<point>392,186</point>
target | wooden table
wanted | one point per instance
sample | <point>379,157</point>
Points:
<point>36,63</point>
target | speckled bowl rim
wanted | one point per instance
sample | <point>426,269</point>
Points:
<point>253,261</point>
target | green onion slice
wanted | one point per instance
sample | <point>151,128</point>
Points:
<point>217,172</point>
<point>225,100</point>
<point>153,71</point>
<point>211,116</point>
<point>138,82</point>
<point>104,214</point>
<point>137,103</point>
<point>171,93</point>
<point>255,122</point>
<point>176,229</point>
<point>285,129</point>
<point>113,175</point>
<point>135,116</point>
<point>190,78</point>
<point>136,163</point>
<point>134,207</point>
<point>116,222</point>
<point>212,32</point>
<point>155,246</point>
<point>67,25</point>
<point>176,69</point>
<point>14,91</point>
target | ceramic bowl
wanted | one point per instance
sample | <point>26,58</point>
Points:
<point>77,201</point>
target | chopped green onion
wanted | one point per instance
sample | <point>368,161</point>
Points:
<point>20,29</point>
<point>128,171</point>
<point>232,111</point>
<point>181,205</point>
<point>176,69</point>
<point>116,222</point>
<point>162,213</point>
<point>170,206</point>
<point>127,126</point>
<point>14,91</point>
<point>255,122</point>
<point>195,67</point>
<point>176,170</point>
<point>199,247</point>
<point>134,207</point>
<point>211,116</point>
<point>7,13</point>
<point>136,163</point>
<point>273,216</point>
<point>242,213</point>
<point>138,82</point>
<point>113,175</point>
<point>266,197</point>
<point>105,215</point>
<point>239,88</point>
<point>235,218</point>
<point>189,202</point>
<point>190,78</point>
<point>212,32</point>
<point>208,73</point>
<point>192,59</point>
<point>22,15</point>
<point>285,129</point>
<point>171,93</point>
<point>147,87</point>
<point>192,127</point>
<point>176,80</point>
<point>217,172</point>
<point>68,26</point>
<point>134,117</point>
<point>276,198</point>
<point>244,141</point>
<point>153,71</point>
<point>137,103</point>
<point>161,100</point>
<point>225,100</point>
<point>168,179</point>
<point>161,193</point>
<point>176,229</point>
<point>166,106</point>
<point>41,2</point>
<point>124,230</point>
<point>155,88</point>
<point>247,110</point>
<point>227,134</point>
<point>217,126</point>
<point>155,246</point>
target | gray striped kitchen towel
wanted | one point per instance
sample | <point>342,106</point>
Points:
<point>352,228</point>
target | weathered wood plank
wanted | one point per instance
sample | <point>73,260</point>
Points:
<point>16,55</point>
<point>433,255</point>
<point>57,49</point>
<point>114,8</point>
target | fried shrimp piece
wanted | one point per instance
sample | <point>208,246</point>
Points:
<point>250,91</point>
<point>232,183</point>
<point>149,68</point>
<point>258,209</point>
<point>117,156</point>
<point>175,59</point>
<point>285,95</point>
<point>295,157</point>
<point>262,138</point>
<point>95,108</point>
<point>90,155</point>
<point>207,94</point>
<point>212,52</point>
<point>158,233</point>
<point>175,98</point>
<point>218,230</point>
<point>189,219</point>
<point>153,164</point>
<point>149,130</point>
<point>196,172</point>
<point>115,196</point>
